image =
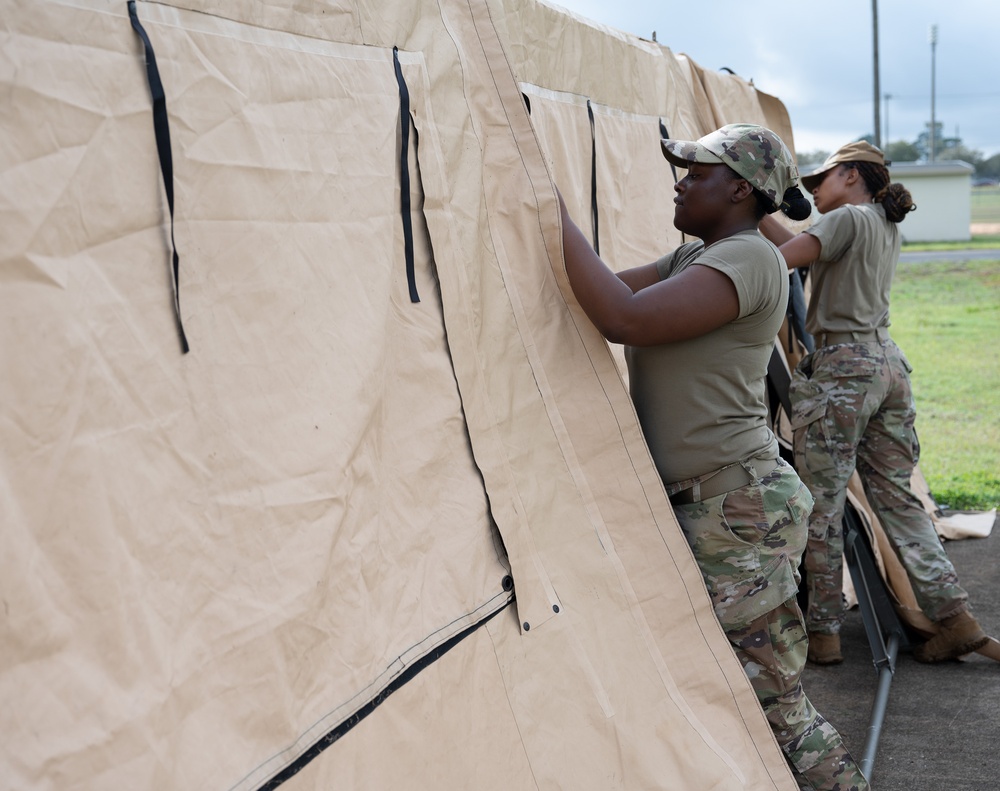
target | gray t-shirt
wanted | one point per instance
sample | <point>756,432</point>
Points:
<point>852,277</point>
<point>701,402</point>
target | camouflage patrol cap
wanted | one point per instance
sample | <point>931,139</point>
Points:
<point>756,154</point>
<point>859,151</point>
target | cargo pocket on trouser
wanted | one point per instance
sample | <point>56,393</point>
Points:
<point>903,391</point>
<point>745,546</point>
<point>902,359</point>
<point>788,504</point>
<point>738,602</point>
<point>810,438</point>
<point>800,505</point>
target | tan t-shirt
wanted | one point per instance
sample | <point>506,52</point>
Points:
<point>851,279</point>
<point>701,402</point>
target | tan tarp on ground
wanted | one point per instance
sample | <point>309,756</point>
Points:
<point>215,562</point>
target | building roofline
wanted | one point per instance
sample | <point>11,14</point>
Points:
<point>940,168</point>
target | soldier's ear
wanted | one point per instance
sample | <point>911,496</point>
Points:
<point>741,189</point>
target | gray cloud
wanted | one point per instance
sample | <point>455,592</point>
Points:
<point>816,56</point>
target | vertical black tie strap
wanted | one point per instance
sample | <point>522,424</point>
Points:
<point>797,309</point>
<point>593,177</point>
<point>665,135</point>
<point>780,380</point>
<point>404,175</point>
<point>162,130</point>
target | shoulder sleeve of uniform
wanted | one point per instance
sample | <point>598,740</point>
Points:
<point>676,259</point>
<point>835,232</point>
<point>753,265</point>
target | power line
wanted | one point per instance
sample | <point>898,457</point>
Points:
<point>923,97</point>
<point>897,97</point>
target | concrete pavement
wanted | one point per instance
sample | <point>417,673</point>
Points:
<point>942,723</point>
<point>950,255</point>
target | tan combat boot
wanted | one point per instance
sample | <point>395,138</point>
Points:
<point>824,649</point>
<point>960,634</point>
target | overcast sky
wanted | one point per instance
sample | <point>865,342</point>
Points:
<point>816,57</point>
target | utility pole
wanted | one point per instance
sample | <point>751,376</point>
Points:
<point>933,39</point>
<point>878,124</point>
<point>888,139</point>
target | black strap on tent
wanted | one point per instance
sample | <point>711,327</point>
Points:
<point>404,175</point>
<point>665,135</point>
<point>778,381</point>
<point>797,309</point>
<point>593,177</point>
<point>790,314</point>
<point>407,675</point>
<point>161,128</point>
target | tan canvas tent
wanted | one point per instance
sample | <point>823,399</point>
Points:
<point>391,521</point>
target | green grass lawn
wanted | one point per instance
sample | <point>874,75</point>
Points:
<point>946,318</point>
<point>978,242</point>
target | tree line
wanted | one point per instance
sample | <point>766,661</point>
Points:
<point>945,148</point>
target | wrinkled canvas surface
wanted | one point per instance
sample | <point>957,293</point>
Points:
<point>220,567</point>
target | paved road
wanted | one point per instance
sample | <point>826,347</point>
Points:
<point>940,731</point>
<point>949,255</point>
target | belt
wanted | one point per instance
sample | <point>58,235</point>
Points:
<point>855,336</point>
<point>730,478</point>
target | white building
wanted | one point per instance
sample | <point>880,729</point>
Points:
<point>942,192</point>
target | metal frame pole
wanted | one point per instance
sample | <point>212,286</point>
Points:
<point>882,626</point>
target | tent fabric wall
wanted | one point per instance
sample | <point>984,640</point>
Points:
<point>220,564</point>
<point>169,524</point>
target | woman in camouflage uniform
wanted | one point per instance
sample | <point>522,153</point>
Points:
<point>699,326</point>
<point>852,406</point>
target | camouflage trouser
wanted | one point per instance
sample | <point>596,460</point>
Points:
<point>748,543</point>
<point>852,406</point>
